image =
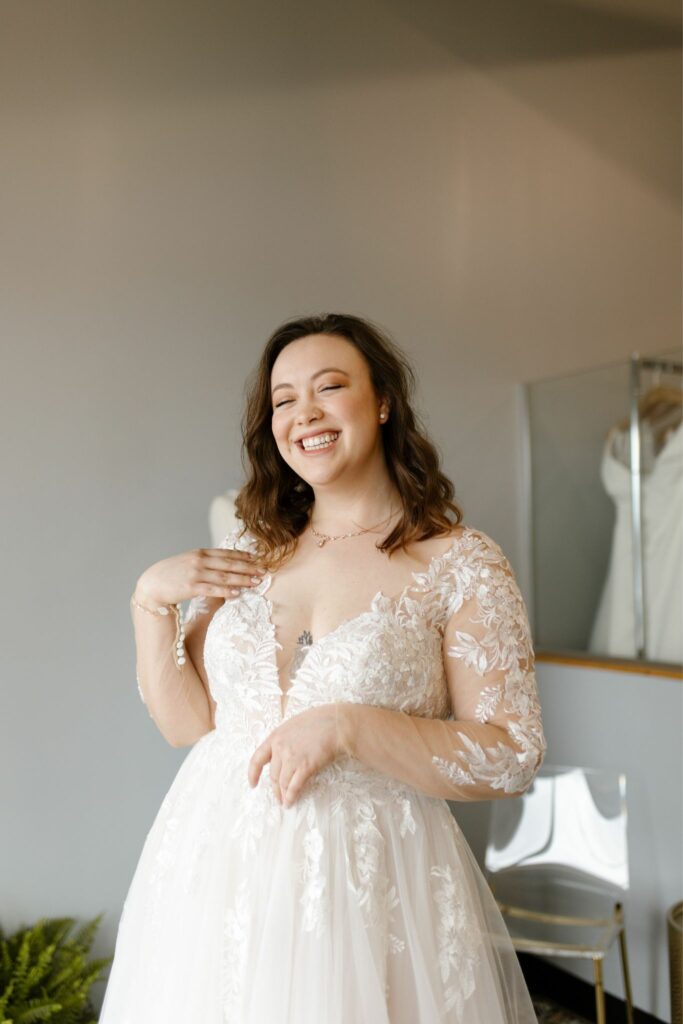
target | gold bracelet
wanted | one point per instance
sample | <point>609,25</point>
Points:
<point>161,610</point>
<point>164,610</point>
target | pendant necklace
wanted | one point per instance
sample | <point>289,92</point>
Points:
<point>324,537</point>
<point>305,639</point>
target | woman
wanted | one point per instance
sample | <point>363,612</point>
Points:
<point>353,657</point>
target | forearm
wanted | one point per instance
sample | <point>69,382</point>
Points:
<point>453,760</point>
<point>174,694</point>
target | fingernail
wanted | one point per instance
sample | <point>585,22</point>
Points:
<point>255,579</point>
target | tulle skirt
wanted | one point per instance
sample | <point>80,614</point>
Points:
<point>360,904</point>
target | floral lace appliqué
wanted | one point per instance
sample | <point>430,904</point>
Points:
<point>479,580</point>
<point>235,942</point>
<point>459,941</point>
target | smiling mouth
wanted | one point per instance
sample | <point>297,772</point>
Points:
<point>324,445</point>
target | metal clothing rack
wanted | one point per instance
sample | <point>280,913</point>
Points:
<point>638,364</point>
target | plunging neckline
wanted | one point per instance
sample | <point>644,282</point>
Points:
<point>393,603</point>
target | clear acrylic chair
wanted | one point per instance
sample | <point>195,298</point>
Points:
<point>557,863</point>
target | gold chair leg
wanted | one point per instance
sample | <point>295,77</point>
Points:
<point>619,914</point>
<point>599,993</point>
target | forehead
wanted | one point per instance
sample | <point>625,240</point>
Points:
<point>303,357</point>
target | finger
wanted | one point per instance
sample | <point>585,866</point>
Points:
<point>215,583</point>
<point>223,591</point>
<point>226,553</point>
<point>296,785</point>
<point>226,562</point>
<point>275,774</point>
<point>221,577</point>
<point>261,756</point>
<point>286,774</point>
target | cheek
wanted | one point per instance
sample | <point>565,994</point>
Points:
<point>282,431</point>
<point>352,408</point>
<point>279,428</point>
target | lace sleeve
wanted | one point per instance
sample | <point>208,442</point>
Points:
<point>492,744</point>
<point>497,732</point>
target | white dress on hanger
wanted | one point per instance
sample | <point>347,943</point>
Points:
<point>613,630</point>
<point>362,903</point>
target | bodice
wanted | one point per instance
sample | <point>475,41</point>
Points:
<point>389,655</point>
<point>450,657</point>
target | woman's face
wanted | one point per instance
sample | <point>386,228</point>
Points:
<point>321,384</point>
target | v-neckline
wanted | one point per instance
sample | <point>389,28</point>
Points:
<point>393,603</point>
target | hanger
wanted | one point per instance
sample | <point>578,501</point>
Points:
<point>662,407</point>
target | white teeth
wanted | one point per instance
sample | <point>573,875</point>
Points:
<point>319,441</point>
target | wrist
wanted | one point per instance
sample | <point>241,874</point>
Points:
<point>144,602</point>
<point>347,718</point>
<point>143,595</point>
<point>160,612</point>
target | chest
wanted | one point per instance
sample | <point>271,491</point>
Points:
<point>388,654</point>
<point>321,588</point>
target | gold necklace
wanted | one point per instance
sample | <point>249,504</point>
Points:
<point>326,536</point>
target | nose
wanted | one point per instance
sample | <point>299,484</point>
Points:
<point>307,412</point>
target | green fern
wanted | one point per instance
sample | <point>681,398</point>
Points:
<point>46,976</point>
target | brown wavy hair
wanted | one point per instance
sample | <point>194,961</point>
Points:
<point>275,502</point>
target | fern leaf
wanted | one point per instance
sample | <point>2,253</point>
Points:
<point>85,935</point>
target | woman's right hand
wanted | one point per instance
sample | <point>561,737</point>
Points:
<point>202,572</point>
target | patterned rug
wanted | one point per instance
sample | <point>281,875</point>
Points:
<point>550,1013</point>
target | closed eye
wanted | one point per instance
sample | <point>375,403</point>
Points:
<point>329,387</point>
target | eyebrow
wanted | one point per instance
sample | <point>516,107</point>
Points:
<point>328,369</point>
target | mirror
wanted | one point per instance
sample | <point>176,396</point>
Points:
<point>605,511</point>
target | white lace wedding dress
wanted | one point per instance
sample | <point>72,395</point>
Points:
<point>614,630</point>
<point>361,903</point>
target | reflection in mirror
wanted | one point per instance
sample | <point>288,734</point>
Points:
<point>606,510</point>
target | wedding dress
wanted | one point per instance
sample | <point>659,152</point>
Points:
<point>362,902</point>
<point>613,630</point>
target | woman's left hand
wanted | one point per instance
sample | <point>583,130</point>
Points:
<point>298,748</point>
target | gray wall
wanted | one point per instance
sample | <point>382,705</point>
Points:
<point>499,187</point>
<point>607,719</point>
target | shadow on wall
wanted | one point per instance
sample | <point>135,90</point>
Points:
<point>505,41</point>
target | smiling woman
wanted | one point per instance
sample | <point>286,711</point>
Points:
<point>377,664</point>
<point>343,375</point>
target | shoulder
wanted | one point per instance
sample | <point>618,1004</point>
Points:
<point>467,544</point>
<point>481,546</point>
<point>478,585</point>
<point>473,565</point>
<point>457,558</point>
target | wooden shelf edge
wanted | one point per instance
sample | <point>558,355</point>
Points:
<point>608,664</point>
